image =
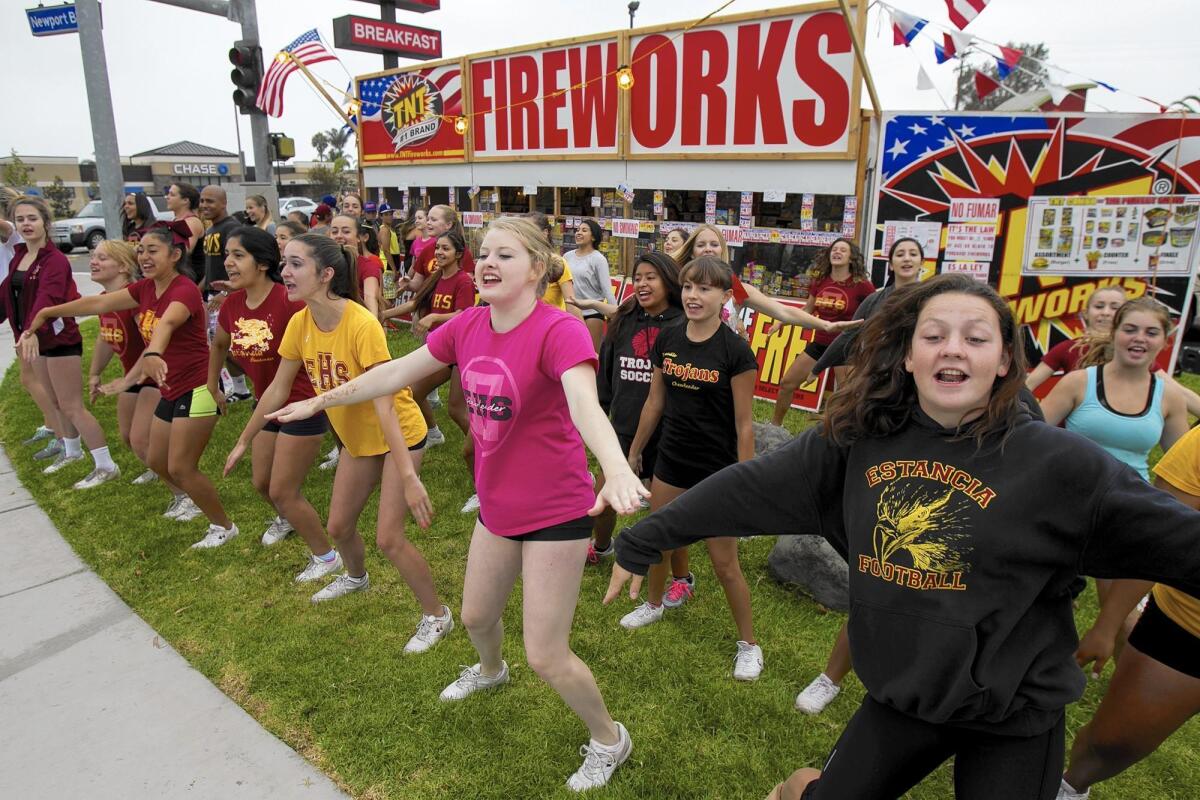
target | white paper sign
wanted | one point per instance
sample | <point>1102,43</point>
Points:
<point>595,201</point>
<point>774,196</point>
<point>981,210</point>
<point>472,219</point>
<point>929,234</point>
<point>530,189</point>
<point>976,269</point>
<point>625,228</point>
<point>969,242</point>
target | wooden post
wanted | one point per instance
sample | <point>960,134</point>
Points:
<point>496,194</point>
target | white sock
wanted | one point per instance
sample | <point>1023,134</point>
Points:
<point>102,459</point>
<point>238,382</point>
<point>1069,789</point>
<point>71,446</point>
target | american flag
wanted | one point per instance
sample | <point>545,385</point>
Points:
<point>308,50</point>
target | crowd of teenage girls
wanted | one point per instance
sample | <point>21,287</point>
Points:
<point>965,511</point>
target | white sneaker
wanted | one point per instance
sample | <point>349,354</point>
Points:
<point>643,615</point>
<point>317,569</point>
<point>430,631</point>
<point>600,762</point>
<point>52,448</point>
<point>216,537</point>
<point>277,531</point>
<point>434,400</point>
<point>471,680</point>
<point>187,511</point>
<point>97,477</point>
<point>331,459</point>
<point>817,695</point>
<point>341,586</point>
<point>748,663</point>
<point>149,476</point>
<point>41,433</point>
<point>472,504</point>
<point>434,437</point>
<point>173,509</point>
<point>61,461</point>
<point>1067,792</point>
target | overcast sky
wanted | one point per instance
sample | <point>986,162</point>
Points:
<point>170,77</point>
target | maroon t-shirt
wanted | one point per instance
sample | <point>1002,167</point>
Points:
<point>186,354</point>
<point>1065,356</point>
<point>452,294</point>
<point>425,261</point>
<point>119,329</point>
<point>255,335</point>
<point>836,301</point>
<point>369,267</point>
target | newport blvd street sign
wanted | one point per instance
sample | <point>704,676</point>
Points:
<point>52,20</point>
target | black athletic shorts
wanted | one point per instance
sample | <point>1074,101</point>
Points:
<point>649,453</point>
<point>197,403</point>
<point>316,425</point>
<point>1162,638</point>
<point>570,531</point>
<point>419,445</point>
<point>815,350</point>
<point>884,753</point>
<point>590,314</point>
<point>63,351</point>
<point>677,472</point>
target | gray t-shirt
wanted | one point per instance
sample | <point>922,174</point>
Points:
<point>590,274</point>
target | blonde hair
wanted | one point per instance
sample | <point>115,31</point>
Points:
<point>451,215</point>
<point>533,239</point>
<point>684,255</point>
<point>125,254</point>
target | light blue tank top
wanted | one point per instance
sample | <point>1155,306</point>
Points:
<point>1129,438</point>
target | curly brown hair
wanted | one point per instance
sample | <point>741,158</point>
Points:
<point>880,397</point>
<point>823,267</point>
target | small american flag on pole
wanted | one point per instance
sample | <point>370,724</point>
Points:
<point>307,49</point>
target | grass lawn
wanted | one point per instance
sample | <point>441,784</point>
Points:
<point>332,682</point>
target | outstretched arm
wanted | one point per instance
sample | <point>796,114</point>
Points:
<point>579,386</point>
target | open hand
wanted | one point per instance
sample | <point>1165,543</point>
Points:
<point>155,368</point>
<point>28,349</point>
<point>621,576</point>
<point>622,491</point>
<point>418,501</point>
<point>235,455</point>
<point>294,412</point>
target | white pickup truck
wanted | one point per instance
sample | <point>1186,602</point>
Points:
<point>86,229</point>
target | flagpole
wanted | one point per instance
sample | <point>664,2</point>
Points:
<point>312,80</point>
<point>860,57</point>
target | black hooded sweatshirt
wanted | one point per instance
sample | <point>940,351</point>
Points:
<point>960,557</point>
<point>623,380</point>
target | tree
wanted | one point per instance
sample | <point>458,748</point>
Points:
<point>1029,75</point>
<point>1189,103</point>
<point>60,198</point>
<point>329,178</point>
<point>15,174</point>
<point>331,144</point>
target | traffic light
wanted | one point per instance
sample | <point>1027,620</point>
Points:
<point>246,75</point>
<point>283,147</point>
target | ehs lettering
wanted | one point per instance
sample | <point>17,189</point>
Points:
<point>919,579</point>
<point>325,372</point>
<point>935,471</point>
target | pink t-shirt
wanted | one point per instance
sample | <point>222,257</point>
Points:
<point>530,465</point>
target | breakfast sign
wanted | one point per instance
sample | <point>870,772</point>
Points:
<point>1046,207</point>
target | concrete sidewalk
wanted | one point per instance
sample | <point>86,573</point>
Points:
<point>94,704</point>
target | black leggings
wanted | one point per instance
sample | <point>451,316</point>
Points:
<point>883,753</point>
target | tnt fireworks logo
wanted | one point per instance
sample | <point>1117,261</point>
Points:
<point>412,110</point>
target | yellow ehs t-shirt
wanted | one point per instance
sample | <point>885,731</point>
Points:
<point>335,357</point>
<point>1180,467</point>
<point>554,295</point>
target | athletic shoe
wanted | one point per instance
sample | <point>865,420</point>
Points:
<point>430,631</point>
<point>97,477</point>
<point>680,591</point>
<point>41,433</point>
<point>233,396</point>
<point>342,585</point>
<point>643,615</point>
<point>748,663</point>
<point>434,400</point>
<point>594,555</point>
<point>471,680</point>
<point>600,762</point>
<point>817,695</point>
<point>173,509</point>
<point>472,504</point>
<point>53,448</point>
<point>277,531</point>
<point>216,537</point>
<point>434,437</point>
<point>331,460</point>
<point>317,569</point>
<point>149,476</point>
<point>188,510</point>
<point>61,461</point>
<point>1067,792</point>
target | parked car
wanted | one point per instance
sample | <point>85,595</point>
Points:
<point>287,204</point>
<point>86,229</point>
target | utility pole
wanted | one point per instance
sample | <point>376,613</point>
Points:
<point>244,12</point>
<point>104,128</point>
<point>387,13</point>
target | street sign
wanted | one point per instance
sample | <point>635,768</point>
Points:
<point>52,20</point>
<point>376,36</point>
<point>419,6</point>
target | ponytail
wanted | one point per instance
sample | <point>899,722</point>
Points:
<point>342,260</point>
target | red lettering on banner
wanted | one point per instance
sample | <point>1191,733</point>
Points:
<point>823,79</point>
<point>523,77</point>
<point>500,83</point>
<point>554,99</point>
<point>703,84</point>
<point>757,92</point>
<point>482,101</point>
<point>653,127</point>
<point>596,103</point>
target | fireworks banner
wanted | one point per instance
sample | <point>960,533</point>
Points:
<point>409,116</point>
<point>1046,208</point>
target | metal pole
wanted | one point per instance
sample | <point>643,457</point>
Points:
<point>104,128</point>
<point>387,13</point>
<point>260,132</point>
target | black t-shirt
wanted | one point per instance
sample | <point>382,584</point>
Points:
<point>211,246</point>
<point>698,420</point>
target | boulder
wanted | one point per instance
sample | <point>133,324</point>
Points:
<point>768,437</point>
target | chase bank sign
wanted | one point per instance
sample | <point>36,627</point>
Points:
<point>200,169</point>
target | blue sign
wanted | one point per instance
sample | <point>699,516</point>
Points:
<point>52,20</point>
<point>222,169</point>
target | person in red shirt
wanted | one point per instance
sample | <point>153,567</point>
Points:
<point>1065,356</point>
<point>348,232</point>
<point>173,323</point>
<point>251,322</point>
<point>840,282</point>
<point>441,218</point>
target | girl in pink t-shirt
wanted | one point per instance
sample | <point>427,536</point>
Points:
<point>528,372</point>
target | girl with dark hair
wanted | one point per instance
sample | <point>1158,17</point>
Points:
<point>351,205</point>
<point>529,370</point>
<point>674,240</point>
<point>286,231</point>
<point>946,499</point>
<point>173,323</point>
<point>623,379</point>
<point>137,215</point>
<point>412,236</point>
<point>250,325</point>
<point>702,389</point>
<point>348,232</point>
<point>590,273</point>
<point>839,284</point>
<point>336,340</point>
<point>438,220</point>
<point>183,200</point>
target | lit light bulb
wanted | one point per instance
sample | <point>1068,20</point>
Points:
<point>460,126</point>
<point>625,78</point>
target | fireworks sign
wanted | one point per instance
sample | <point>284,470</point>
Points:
<point>409,115</point>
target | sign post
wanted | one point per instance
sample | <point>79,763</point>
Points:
<point>104,128</point>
